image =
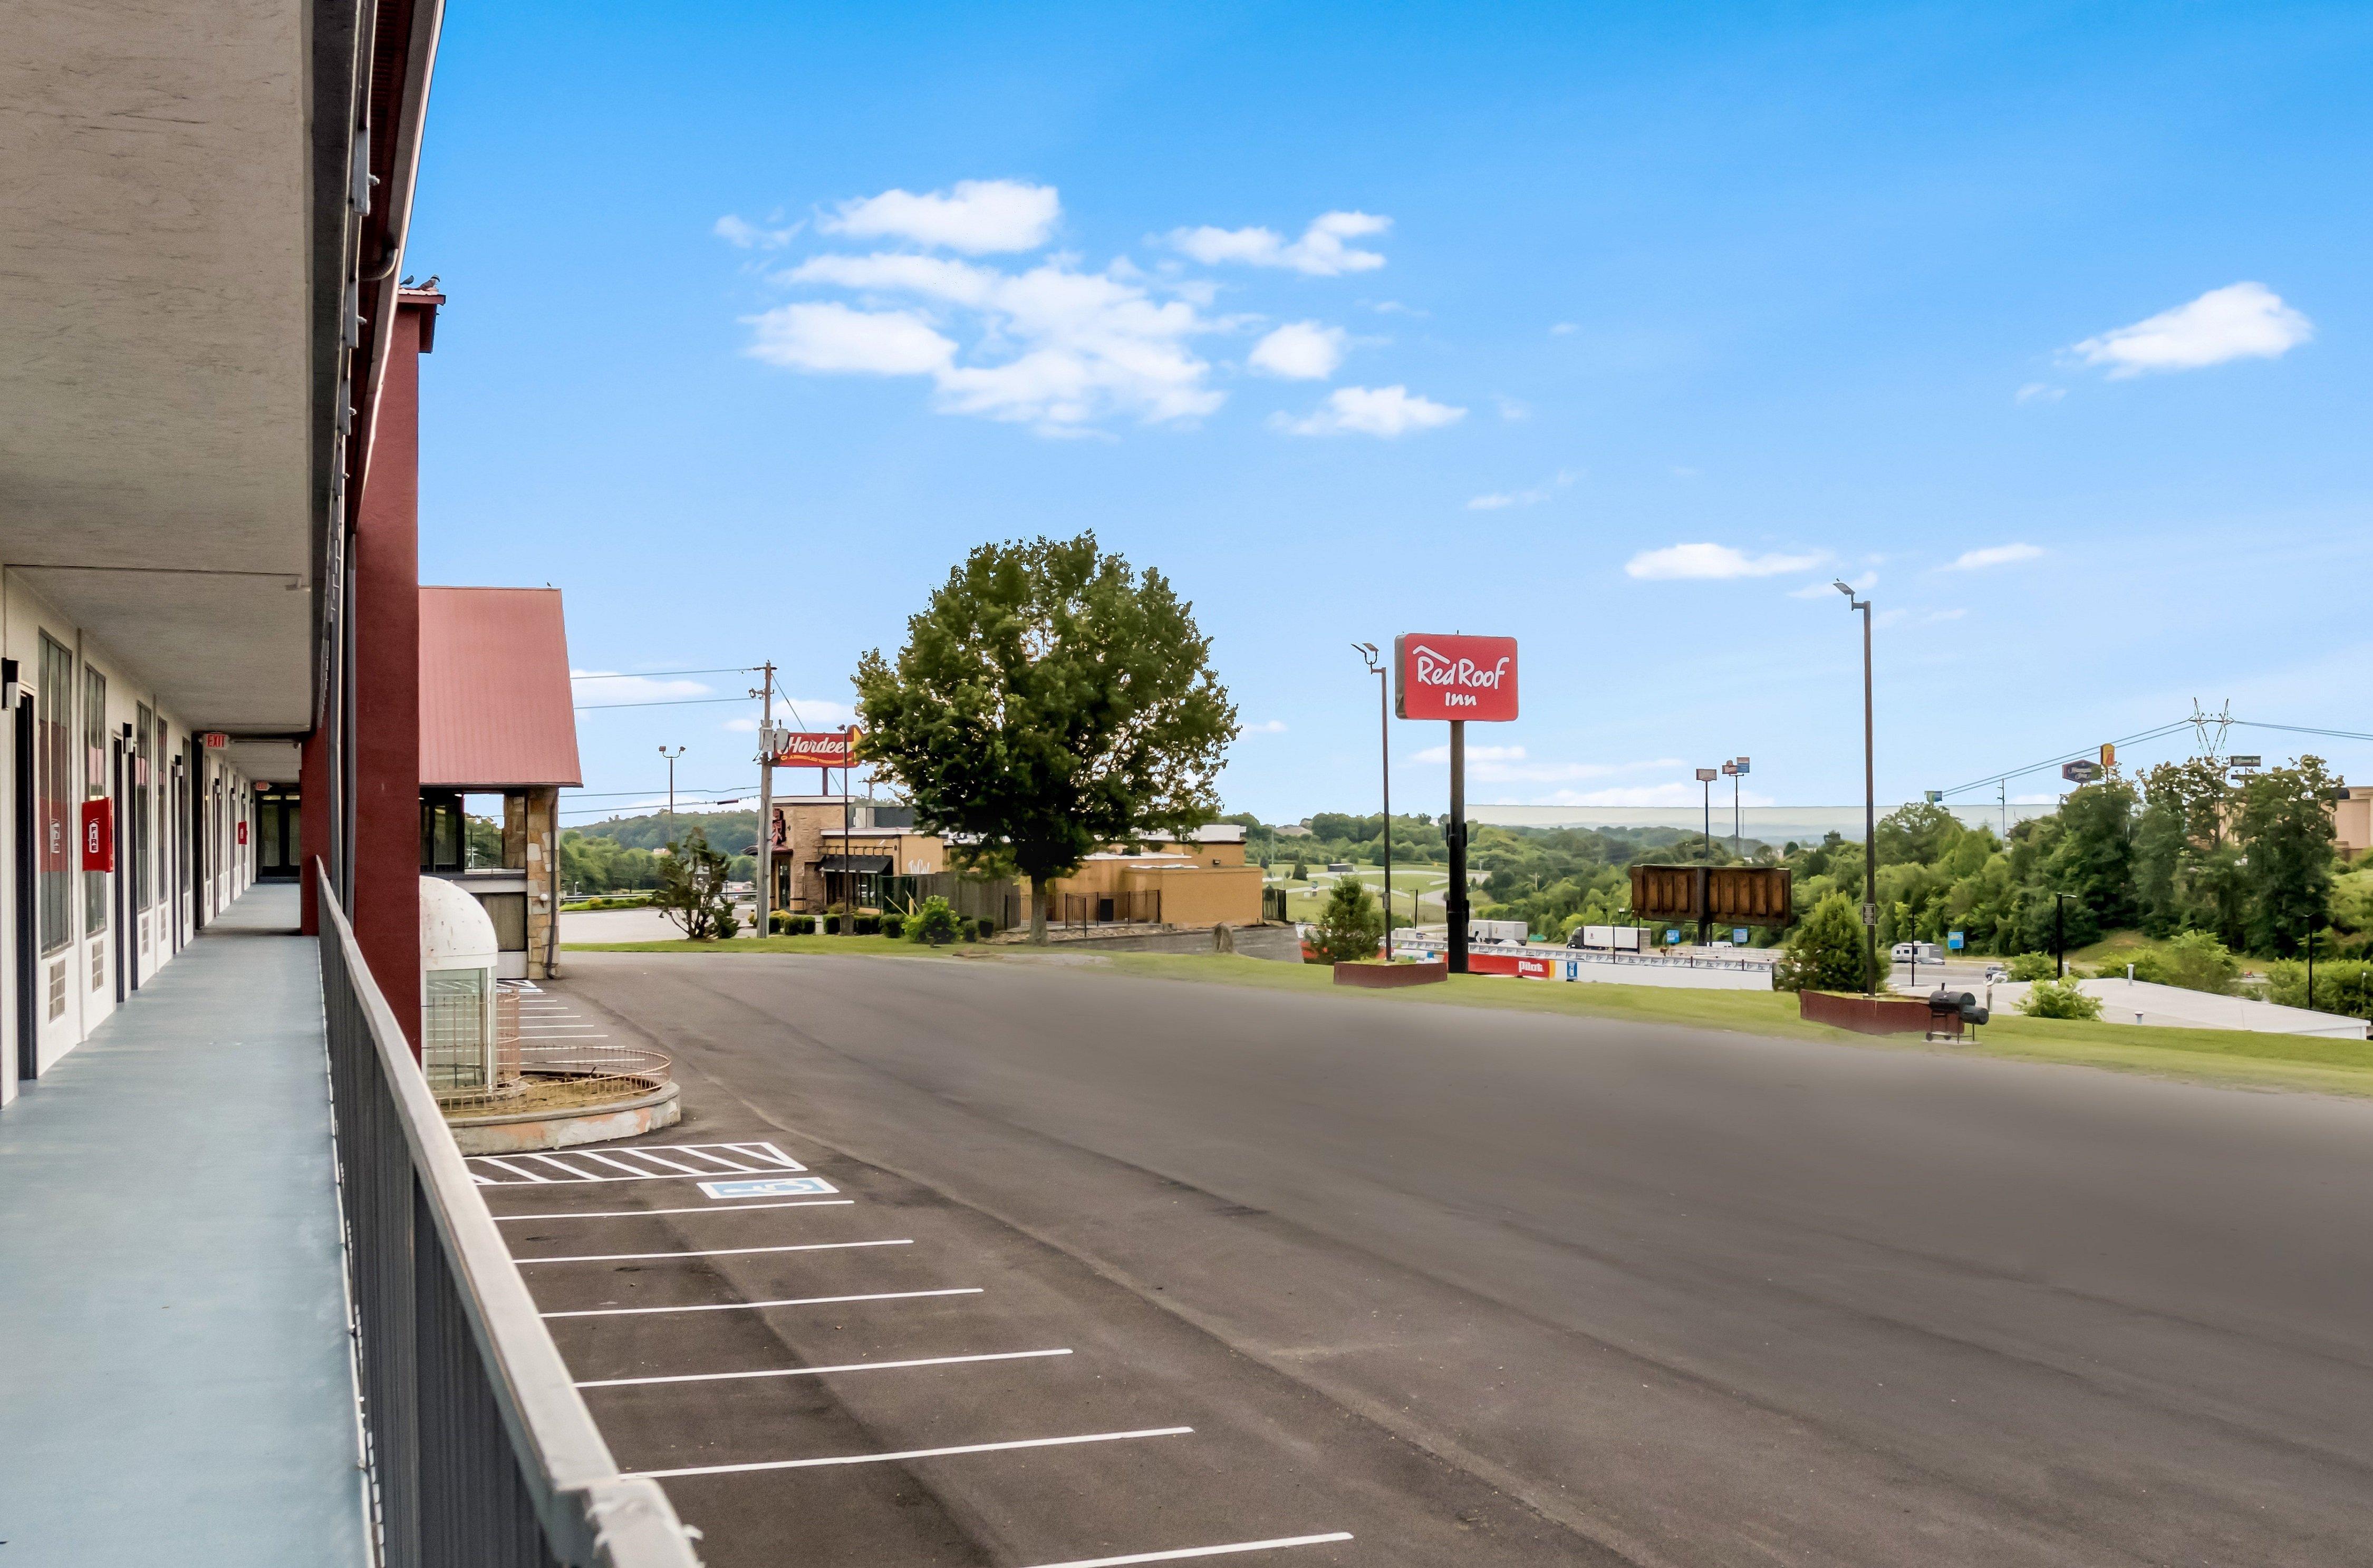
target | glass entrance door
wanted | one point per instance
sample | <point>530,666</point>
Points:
<point>279,853</point>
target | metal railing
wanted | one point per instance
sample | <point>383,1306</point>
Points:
<point>481,1449</point>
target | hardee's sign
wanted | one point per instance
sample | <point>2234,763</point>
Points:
<point>1454,677</point>
<point>827,748</point>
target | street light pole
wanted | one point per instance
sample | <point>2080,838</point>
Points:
<point>670,757</point>
<point>1869,808</point>
<point>1385,736</point>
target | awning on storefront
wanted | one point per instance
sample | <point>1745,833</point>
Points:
<point>879,865</point>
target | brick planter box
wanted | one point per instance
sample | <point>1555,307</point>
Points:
<point>1386,977</point>
<point>1863,1014</point>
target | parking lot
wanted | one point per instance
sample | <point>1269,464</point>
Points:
<point>823,1362</point>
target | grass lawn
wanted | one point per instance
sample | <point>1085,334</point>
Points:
<point>2213,1056</point>
<point>2228,1056</point>
<point>828,946</point>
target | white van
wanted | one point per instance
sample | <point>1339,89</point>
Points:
<point>1916,953</point>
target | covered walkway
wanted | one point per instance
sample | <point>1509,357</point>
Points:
<point>175,1378</point>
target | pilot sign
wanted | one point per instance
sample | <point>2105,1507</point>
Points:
<point>1454,677</point>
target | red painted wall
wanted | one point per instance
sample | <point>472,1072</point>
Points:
<point>387,681</point>
<point>312,821</point>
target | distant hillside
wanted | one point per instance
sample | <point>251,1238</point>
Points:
<point>735,833</point>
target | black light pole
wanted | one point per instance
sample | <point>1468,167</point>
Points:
<point>1384,740</point>
<point>2060,936</point>
<point>1869,808</point>
<point>1454,897</point>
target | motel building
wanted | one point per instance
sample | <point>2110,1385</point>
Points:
<point>254,1310</point>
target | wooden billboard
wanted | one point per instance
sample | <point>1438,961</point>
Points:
<point>1734,895</point>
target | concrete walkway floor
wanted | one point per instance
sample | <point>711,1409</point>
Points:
<point>175,1382</point>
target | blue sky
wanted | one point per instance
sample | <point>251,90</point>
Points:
<point>1618,331</point>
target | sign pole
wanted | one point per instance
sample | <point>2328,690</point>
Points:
<point>766,801</point>
<point>1456,911</point>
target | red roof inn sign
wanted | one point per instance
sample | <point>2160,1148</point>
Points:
<point>1454,677</point>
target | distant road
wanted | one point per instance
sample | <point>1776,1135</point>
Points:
<point>1677,1296</point>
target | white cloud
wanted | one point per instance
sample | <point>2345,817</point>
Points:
<point>1371,411</point>
<point>977,217</point>
<point>1395,308</point>
<point>745,235</point>
<point>1501,499</point>
<point>1696,561</point>
<point>609,688</point>
<point>815,713</point>
<point>1862,584</point>
<point>1563,329</point>
<point>1074,346</point>
<point>1511,409</point>
<point>1300,351</point>
<point>1267,727</point>
<point>1321,252</point>
<point>1474,753</point>
<point>2241,320</point>
<point>2041,392</point>
<point>829,337</point>
<point>1992,556</point>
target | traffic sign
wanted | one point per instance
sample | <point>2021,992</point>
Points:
<point>1953,941</point>
<point>2245,762</point>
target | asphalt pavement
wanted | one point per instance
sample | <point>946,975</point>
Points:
<point>1465,1287</point>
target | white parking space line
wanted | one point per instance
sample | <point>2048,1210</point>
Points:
<point>717,1252</point>
<point>819,1371</point>
<point>754,1306</point>
<point>911,1453</point>
<point>704,1209</point>
<point>1184,1552</point>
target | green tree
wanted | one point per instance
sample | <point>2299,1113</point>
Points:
<point>1825,951</point>
<point>692,890</point>
<point>1350,926</point>
<point>2095,856</point>
<point>2286,827</point>
<point>1049,701</point>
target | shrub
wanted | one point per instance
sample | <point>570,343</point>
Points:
<point>802,925</point>
<point>893,926</point>
<point>2032,967</point>
<point>2194,960</point>
<point>832,925</point>
<point>1825,951</point>
<point>2059,999</point>
<point>869,925</point>
<point>934,922</point>
<point>2341,985</point>
<point>988,927</point>
<point>1350,927</point>
<point>778,923</point>
<point>1301,869</point>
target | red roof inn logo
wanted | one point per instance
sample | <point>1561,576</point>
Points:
<point>1454,677</point>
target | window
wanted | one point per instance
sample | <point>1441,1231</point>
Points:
<point>53,766</point>
<point>94,742</point>
<point>144,829</point>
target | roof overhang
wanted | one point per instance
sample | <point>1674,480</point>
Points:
<point>184,256</point>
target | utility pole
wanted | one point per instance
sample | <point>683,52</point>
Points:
<point>670,757</point>
<point>770,746</point>
<point>1384,731</point>
<point>847,827</point>
<point>1869,807</point>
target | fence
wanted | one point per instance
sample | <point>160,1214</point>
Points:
<point>480,1450</point>
<point>971,897</point>
<point>1111,909</point>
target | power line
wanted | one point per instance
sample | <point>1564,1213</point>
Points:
<point>2005,777</point>
<point>672,702</point>
<point>2306,729</point>
<point>662,675</point>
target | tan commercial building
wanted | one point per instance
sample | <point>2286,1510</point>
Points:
<point>881,860</point>
<point>828,851</point>
<point>2352,820</point>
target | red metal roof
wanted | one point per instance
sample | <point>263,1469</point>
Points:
<point>496,709</point>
